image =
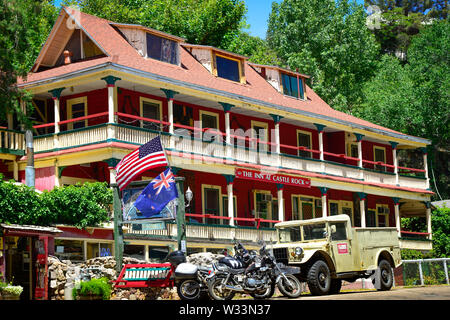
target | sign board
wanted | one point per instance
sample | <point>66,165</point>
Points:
<point>272,178</point>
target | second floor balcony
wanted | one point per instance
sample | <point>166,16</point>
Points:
<point>196,129</point>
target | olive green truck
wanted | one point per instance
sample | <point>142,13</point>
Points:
<point>328,250</point>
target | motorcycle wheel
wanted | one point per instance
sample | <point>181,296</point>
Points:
<point>266,295</point>
<point>217,290</point>
<point>290,288</point>
<point>189,289</point>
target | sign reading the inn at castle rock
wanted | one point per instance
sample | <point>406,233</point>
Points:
<point>273,178</point>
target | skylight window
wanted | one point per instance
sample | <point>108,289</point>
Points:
<point>228,68</point>
<point>292,86</point>
<point>162,49</point>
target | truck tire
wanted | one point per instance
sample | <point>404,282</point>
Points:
<point>335,286</point>
<point>385,276</point>
<point>319,278</point>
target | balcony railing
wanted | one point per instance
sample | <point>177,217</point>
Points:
<point>12,141</point>
<point>204,142</point>
<point>209,232</point>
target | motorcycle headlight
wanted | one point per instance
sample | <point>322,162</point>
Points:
<point>298,251</point>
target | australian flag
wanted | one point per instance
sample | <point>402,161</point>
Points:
<point>159,192</point>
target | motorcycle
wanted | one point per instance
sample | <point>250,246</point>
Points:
<point>258,278</point>
<point>191,280</point>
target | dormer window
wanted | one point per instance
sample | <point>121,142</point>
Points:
<point>228,68</point>
<point>162,49</point>
<point>292,86</point>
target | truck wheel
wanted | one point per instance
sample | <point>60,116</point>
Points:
<point>335,286</point>
<point>319,278</point>
<point>385,277</point>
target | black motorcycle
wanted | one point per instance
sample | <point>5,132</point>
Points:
<point>256,276</point>
<point>190,279</point>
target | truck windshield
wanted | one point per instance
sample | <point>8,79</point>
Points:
<point>289,234</point>
<point>314,231</point>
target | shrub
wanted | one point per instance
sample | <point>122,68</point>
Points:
<point>79,205</point>
<point>99,287</point>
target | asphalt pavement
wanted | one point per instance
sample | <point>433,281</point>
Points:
<point>441,292</point>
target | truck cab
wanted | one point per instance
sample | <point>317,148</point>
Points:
<point>328,250</point>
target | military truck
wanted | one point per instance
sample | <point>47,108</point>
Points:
<point>328,250</point>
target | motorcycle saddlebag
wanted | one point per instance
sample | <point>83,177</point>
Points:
<point>176,257</point>
<point>186,271</point>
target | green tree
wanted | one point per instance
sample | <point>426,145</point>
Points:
<point>328,40</point>
<point>414,98</point>
<point>24,26</point>
<point>211,22</point>
<point>401,20</point>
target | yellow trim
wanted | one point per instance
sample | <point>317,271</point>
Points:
<point>141,109</point>
<point>264,125</point>
<point>70,103</point>
<point>44,88</point>
<point>386,215</point>
<point>329,206</point>
<point>209,113</point>
<point>269,213</point>
<point>74,180</point>
<point>241,75</point>
<point>347,204</point>
<point>298,196</point>
<point>379,148</point>
<point>234,203</point>
<point>310,141</point>
<point>210,186</point>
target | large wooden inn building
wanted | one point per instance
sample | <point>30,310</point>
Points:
<point>101,89</point>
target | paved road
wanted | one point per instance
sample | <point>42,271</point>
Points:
<point>398,293</point>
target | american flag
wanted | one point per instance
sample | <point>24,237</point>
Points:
<point>147,156</point>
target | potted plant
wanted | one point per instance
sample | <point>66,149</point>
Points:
<point>94,289</point>
<point>10,292</point>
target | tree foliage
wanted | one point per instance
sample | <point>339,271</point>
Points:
<point>402,20</point>
<point>328,40</point>
<point>24,26</point>
<point>414,97</point>
<point>79,205</point>
<point>211,22</point>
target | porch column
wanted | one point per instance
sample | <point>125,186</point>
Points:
<point>397,215</point>
<point>428,218</point>
<point>324,191</point>
<point>16,170</point>
<point>277,120</point>
<point>111,84</point>
<point>280,188</point>
<point>359,138</point>
<point>226,108</point>
<point>320,128</point>
<point>170,94</point>
<point>362,208</point>
<point>56,94</point>
<point>230,179</point>
<point>394,157</point>
<point>425,165</point>
<point>112,163</point>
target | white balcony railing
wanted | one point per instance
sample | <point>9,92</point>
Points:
<point>217,150</point>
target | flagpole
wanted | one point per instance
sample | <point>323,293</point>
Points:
<point>181,206</point>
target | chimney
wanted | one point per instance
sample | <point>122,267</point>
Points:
<point>67,55</point>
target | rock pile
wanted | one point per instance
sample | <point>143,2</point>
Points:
<point>64,274</point>
<point>204,259</point>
